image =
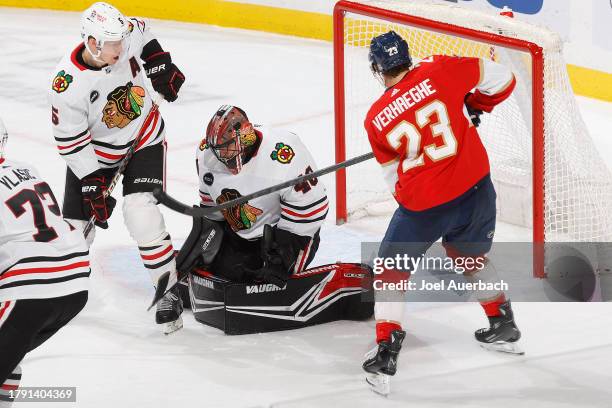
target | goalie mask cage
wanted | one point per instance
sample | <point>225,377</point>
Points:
<point>546,170</point>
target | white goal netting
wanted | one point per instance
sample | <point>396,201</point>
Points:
<point>577,184</point>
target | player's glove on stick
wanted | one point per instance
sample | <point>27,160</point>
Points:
<point>95,203</point>
<point>473,112</point>
<point>165,77</point>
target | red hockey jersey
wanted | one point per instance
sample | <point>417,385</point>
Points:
<point>421,133</point>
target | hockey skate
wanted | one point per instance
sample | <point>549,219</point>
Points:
<point>502,335</point>
<point>169,310</point>
<point>381,363</point>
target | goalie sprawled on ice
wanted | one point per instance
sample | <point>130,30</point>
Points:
<point>247,264</point>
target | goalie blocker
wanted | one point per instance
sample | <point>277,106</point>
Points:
<point>341,291</point>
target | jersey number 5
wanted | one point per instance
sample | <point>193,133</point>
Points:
<point>35,198</point>
<point>441,128</point>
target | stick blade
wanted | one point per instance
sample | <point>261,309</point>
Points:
<point>160,290</point>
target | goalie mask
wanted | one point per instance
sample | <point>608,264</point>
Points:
<point>228,135</point>
<point>3,139</point>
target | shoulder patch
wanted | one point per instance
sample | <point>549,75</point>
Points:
<point>283,153</point>
<point>61,82</point>
<point>203,145</point>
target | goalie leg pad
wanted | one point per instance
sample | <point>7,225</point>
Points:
<point>318,295</point>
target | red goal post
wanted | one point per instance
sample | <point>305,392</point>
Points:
<point>537,93</point>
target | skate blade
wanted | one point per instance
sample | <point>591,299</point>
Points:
<point>174,326</point>
<point>503,347</point>
<point>379,383</point>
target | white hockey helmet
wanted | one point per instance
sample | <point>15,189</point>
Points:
<point>104,23</point>
<point>3,139</point>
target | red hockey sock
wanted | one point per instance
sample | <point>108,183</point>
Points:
<point>491,307</point>
<point>384,329</point>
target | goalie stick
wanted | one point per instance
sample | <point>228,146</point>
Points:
<point>125,160</point>
<point>162,287</point>
<point>177,206</point>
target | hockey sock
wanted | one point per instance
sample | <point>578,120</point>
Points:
<point>158,257</point>
<point>384,329</point>
<point>10,384</point>
<point>491,307</point>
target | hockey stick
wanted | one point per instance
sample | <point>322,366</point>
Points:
<point>125,160</point>
<point>177,206</point>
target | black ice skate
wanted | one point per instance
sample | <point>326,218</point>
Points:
<point>169,310</point>
<point>502,334</point>
<point>381,362</point>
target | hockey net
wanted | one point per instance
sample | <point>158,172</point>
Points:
<point>547,172</point>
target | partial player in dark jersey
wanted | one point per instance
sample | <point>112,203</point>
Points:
<point>423,133</point>
<point>44,267</point>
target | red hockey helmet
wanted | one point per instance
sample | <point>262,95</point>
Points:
<point>228,133</point>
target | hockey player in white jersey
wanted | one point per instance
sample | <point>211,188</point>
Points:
<point>99,102</point>
<point>236,159</point>
<point>44,268</point>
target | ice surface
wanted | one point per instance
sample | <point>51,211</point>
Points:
<point>116,356</point>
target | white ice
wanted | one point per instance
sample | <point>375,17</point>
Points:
<point>117,357</point>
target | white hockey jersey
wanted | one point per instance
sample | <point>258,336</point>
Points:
<point>281,156</point>
<point>96,114</point>
<point>41,255</point>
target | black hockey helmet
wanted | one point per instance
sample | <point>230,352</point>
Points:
<point>388,51</point>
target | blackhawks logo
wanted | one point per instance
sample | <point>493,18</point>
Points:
<point>61,82</point>
<point>239,217</point>
<point>124,104</point>
<point>283,153</point>
<point>203,145</point>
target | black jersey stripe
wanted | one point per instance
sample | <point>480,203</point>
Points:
<point>71,138</point>
<point>78,149</point>
<point>47,259</point>
<point>46,281</point>
<point>304,207</point>
<point>304,221</point>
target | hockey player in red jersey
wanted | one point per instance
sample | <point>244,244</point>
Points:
<point>423,133</point>
<point>44,268</point>
<point>99,101</point>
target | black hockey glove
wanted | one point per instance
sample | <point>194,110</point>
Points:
<point>95,204</point>
<point>279,252</point>
<point>474,113</point>
<point>165,77</point>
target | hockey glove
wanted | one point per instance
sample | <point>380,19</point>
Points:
<point>95,203</point>
<point>473,112</point>
<point>165,77</point>
<point>280,249</point>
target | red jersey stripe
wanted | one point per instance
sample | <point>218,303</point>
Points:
<point>4,307</point>
<point>74,144</point>
<point>51,269</point>
<point>310,214</point>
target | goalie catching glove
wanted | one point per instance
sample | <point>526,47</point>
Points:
<point>165,77</point>
<point>280,250</point>
<point>93,189</point>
